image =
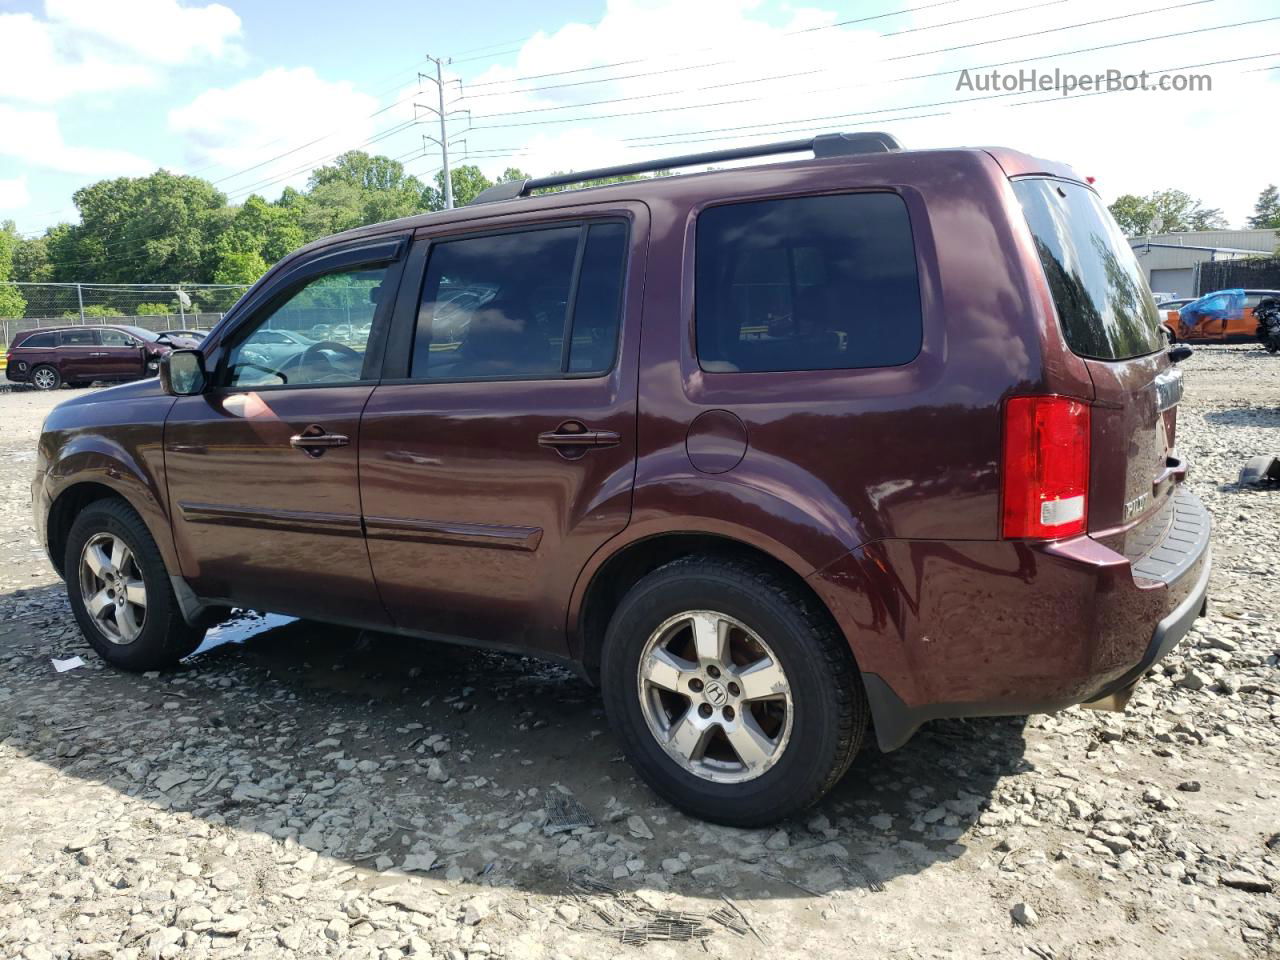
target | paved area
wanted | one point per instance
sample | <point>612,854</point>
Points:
<point>300,790</point>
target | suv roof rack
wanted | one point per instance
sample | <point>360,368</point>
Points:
<point>825,145</point>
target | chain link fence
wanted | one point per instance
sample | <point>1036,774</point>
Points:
<point>177,306</point>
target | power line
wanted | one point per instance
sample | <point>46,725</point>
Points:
<point>636,113</point>
<point>990,66</point>
<point>685,53</point>
<point>798,124</point>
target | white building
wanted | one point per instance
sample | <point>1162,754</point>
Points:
<point>1170,259</point>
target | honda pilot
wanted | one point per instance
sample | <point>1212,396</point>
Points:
<point>776,455</point>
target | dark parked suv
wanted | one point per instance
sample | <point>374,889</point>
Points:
<point>769,453</point>
<point>48,358</point>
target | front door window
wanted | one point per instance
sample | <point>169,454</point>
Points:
<point>319,334</point>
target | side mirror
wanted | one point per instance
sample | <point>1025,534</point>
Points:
<point>1179,352</point>
<point>182,373</point>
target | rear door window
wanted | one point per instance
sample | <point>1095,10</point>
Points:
<point>79,338</point>
<point>1103,302</point>
<point>543,302</point>
<point>806,283</point>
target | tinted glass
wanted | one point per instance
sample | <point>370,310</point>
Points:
<point>499,306</point>
<point>79,338</point>
<point>116,338</point>
<point>807,283</point>
<point>40,340</point>
<point>335,316</point>
<point>1103,302</point>
<point>142,333</point>
<point>598,306</point>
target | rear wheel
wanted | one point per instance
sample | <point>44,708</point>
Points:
<point>120,592</point>
<point>45,377</point>
<point>735,698</point>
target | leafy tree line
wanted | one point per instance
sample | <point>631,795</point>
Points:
<point>1174,211</point>
<point>168,228</point>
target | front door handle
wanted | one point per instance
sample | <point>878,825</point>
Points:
<point>573,438</point>
<point>315,440</point>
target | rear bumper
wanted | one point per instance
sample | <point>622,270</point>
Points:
<point>959,629</point>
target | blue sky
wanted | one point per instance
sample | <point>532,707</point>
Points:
<point>253,94</point>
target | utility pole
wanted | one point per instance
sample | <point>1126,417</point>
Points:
<point>444,135</point>
<point>442,115</point>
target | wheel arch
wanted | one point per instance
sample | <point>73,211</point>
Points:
<point>602,587</point>
<point>93,468</point>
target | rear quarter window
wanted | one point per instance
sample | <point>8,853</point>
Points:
<point>806,283</point>
<point>1104,305</point>
<point>39,340</point>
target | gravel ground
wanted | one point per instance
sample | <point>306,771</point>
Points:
<point>302,790</point>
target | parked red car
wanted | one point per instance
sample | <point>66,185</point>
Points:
<point>47,358</point>
<point>770,453</point>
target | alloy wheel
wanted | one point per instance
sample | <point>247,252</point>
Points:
<point>112,588</point>
<point>45,379</point>
<point>715,696</point>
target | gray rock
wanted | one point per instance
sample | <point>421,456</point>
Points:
<point>1024,915</point>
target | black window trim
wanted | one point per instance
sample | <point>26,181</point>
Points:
<point>399,352</point>
<point>692,265</point>
<point>369,252</point>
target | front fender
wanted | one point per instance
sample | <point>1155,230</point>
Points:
<point>125,457</point>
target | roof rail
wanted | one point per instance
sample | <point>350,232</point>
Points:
<point>825,145</point>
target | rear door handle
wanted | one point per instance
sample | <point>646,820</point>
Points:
<point>573,438</point>
<point>315,440</point>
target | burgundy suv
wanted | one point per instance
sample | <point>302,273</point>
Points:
<point>769,453</point>
<point>47,358</point>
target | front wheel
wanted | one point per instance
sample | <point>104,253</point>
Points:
<point>734,696</point>
<point>120,591</point>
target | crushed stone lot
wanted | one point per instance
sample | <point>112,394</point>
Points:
<point>302,790</point>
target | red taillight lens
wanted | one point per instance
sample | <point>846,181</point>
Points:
<point>1046,467</point>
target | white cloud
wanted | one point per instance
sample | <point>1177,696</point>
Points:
<point>157,31</point>
<point>292,114</point>
<point>13,193</point>
<point>875,75</point>
<point>33,137</point>
<point>90,46</point>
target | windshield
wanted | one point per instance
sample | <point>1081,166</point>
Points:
<point>1103,301</point>
<point>142,334</point>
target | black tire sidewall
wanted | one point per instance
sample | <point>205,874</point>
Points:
<point>165,637</point>
<point>813,748</point>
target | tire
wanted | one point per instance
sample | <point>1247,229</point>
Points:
<point>147,636</point>
<point>827,708</point>
<point>45,377</point>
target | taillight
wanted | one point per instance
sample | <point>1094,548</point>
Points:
<point>1046,467</point>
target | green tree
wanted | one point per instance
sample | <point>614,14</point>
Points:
<point>31,260</point>
<point>467,181</point>
<point>153,310</point>
<point>150,229</point>
<point>12,302</point>
<point>357,189</point>
<point>1266,212</point>
<point>1164,211</point>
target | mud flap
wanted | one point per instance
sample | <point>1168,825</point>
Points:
<point>1113,702</point>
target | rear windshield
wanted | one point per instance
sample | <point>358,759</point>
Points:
<point>1103,301</point>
